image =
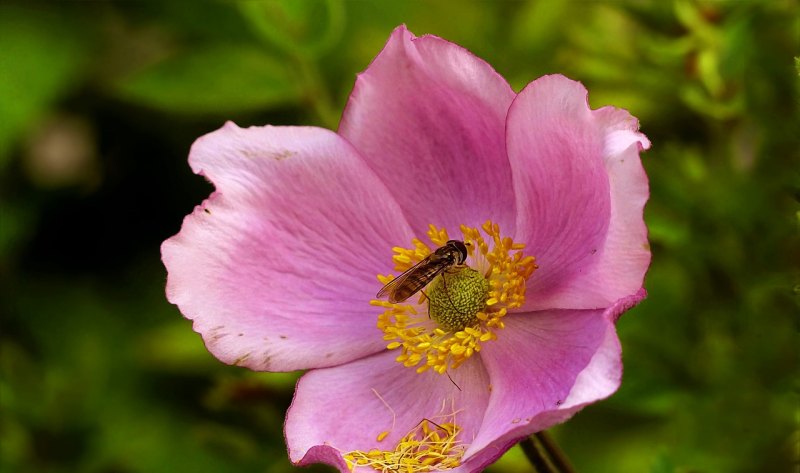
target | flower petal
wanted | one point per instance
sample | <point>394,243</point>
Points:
<point>625,255</point>
<point>580,194</point>
<point>345,408</point>
<point>277,268</point>
<point>544,367</point>
<point>429,117</point>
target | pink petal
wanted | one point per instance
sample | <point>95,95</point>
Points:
<point>603,375</point>
<point>580,194</point>
<point>337,410</point>
<point>625,256</point>
<point>544,367</point>
<point>277,268</point>
<point>430,117</point>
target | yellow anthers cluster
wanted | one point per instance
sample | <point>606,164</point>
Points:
<point>425,344</point>
<point>508,271</point>
<point>405,258</point>
<point>427,447</point>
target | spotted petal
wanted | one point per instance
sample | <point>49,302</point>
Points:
<point>277,268</point>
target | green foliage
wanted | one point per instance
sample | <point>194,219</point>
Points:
<point>43,56</point>
<point>305,27</point>
<point>220,79</point>
<point>98,373</point>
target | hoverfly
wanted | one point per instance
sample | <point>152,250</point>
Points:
<point>453,253</point>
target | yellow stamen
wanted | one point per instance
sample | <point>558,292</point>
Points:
<point>429,446</point>
<point>426,345</point>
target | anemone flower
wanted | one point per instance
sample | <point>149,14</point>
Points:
<point>516,217</point>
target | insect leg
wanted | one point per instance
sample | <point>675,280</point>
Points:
<point>444,280</point>
<point>429,302</point>
<point>451,380</point>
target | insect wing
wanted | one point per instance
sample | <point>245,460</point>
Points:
<point>391,287</point>
<point>394,283</point>
<point>416,280</point>
<point>413,279</point>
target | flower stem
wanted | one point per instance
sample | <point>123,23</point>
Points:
<point>544,454</point>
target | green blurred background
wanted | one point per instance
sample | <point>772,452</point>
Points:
<point>100,101</point>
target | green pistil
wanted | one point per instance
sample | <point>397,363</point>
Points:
<point>455,298</point>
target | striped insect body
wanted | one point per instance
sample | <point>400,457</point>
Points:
<point>414,279</point>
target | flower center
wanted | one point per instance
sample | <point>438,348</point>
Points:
<point>455,300</point>
<point>462,306</point>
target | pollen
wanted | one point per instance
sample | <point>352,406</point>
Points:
<point>464,307</point>
<point>429,446</point>
<point>455,300</point>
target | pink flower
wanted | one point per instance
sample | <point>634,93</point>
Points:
<point>277,269</point>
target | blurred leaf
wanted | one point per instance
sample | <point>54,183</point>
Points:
<point>539,24</point>
<point>42,57</point>
<point>708,67</point>
<point>698,99</point>
<point>218,21</point>
<point>668,231</point>
<point>306,27</point>
<point>216,80</point>
<point>612,33</point>
<point>174,347</point>
<point>663,464</point>
<point>690,14</point>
